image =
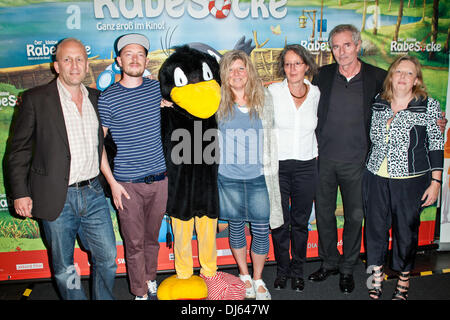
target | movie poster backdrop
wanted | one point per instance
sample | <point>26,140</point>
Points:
<point>30,30</point>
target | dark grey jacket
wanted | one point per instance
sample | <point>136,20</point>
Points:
<point>373,78</point>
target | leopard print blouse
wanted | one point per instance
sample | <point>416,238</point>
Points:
<point>415,143</point>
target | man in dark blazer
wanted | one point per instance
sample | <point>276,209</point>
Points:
<point>347,88</point>
<point>53,168</point>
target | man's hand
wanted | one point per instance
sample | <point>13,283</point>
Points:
<point>442,122</point>
<point>117,191</point>
<point>23,206</point>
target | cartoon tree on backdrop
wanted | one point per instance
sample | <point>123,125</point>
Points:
<point>399,21</point>
<point>363,24</point>
<point>375,17</point>
<point>434,27</point>
<point>446,42</point>
<point>423,11</point>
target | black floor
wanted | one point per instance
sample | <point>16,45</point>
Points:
<point>430,281</point>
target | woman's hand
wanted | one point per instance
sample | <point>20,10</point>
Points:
<point>165,103</point>
<point>431,194</point>
<point>151,77</point>
<point>442,122</point>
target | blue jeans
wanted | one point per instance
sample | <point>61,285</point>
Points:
<point>243,200</point>
<point>86,214</point>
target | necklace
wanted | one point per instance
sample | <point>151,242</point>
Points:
<point>306,91</point>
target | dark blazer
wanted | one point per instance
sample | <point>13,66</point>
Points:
<point>39,156</point>
<point>373,78</point>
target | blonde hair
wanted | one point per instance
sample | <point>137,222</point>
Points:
<point>254,90</point>
<point>419,90</point>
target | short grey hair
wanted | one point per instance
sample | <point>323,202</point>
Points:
<point>356,35</point>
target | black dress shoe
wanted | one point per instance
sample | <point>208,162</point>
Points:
<point>298,284</point>
<point>280,282</point>
<point>346,283</point>
<point>322,274</point>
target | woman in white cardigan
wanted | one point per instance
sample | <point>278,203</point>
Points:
<point>295,102</point>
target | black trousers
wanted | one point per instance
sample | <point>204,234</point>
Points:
<point>346,176</point>
<point>298,180</point>
<point>396,204</point>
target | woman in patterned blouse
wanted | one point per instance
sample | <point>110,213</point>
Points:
<point>404,169</point>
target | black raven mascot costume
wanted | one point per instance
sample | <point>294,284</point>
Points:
<point>190,79</point>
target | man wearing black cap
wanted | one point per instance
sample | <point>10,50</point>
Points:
<point>130,110</point>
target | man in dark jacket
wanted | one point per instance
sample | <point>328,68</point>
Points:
<point>53,169</point>
<point>347,88</point>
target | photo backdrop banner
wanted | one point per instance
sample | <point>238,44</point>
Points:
<point>30,30</point>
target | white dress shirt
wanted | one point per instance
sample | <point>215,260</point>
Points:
<point>295,128</point>
<point>82,133</point>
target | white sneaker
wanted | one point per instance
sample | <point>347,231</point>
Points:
<point>261,295</point>
<point>249,292</point>
<point>152,288</point>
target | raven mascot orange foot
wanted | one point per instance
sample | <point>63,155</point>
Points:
<point>190,79</point>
